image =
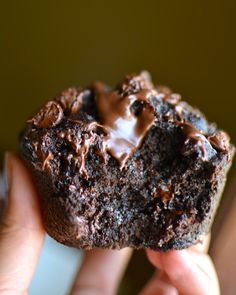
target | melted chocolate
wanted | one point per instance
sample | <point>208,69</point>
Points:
<point>192,133</point>
<point>50,115</point>
<point>164,192</point>
<point>46,161</point>
<point>80,143</point>
<point>220,141</point>
<point>124,115</point>
<point>71,100</point>
<point>126,120</point>
<point>67,97</point>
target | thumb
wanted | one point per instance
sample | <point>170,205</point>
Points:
<point>21,230</point>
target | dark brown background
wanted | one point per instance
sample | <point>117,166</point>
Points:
<point>49,45</point>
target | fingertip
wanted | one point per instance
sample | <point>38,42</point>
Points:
<point>186,274</point>
<point>174,262</point>
<point>101,271</point>
<point>171,258</point>
<point>155,258</point>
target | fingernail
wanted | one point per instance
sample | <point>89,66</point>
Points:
<point>7,172</point>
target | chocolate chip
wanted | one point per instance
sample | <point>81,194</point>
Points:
<point>219,141</point>
<point>50,115</point>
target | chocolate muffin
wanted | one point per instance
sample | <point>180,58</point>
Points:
<point>132,166</point>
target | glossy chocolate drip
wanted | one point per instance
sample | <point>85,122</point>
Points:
<point>219,140</point>
<point>126,120</point>
<point>189,130</point>
<point>80,143</point>
<point>194,134</point>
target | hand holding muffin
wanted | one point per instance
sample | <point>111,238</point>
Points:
<point>21,238</point>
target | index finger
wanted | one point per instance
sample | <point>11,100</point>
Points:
<point>21,231</point>
<point>101,271</point>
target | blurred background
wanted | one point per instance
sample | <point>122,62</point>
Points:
<point>47,46</point>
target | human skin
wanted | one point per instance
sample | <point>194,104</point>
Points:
<point>186,272</point>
